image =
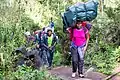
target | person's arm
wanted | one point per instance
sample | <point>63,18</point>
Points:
<point>42,42</point>
<point>35,40</point>
<point>69,30</point>
<point>39,43</point>
<point>87,40</point>
<point>39,36</point>
<point>55,42</point>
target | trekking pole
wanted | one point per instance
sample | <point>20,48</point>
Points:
<point>111,76</point>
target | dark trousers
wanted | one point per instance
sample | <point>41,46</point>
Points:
<point>77,60</point>
<point>50,54</point>
<point>44,57</point>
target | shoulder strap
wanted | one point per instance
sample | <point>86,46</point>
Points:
<point>45,35</point>
<point>85,29</point>
<point>54,35</point>
<point>40,34</point>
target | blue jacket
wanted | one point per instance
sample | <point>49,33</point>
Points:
<point>38,38</point>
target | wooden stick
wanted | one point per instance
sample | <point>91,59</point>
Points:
<point>109,77</point>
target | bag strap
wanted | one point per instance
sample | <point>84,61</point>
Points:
<point>85,29</point>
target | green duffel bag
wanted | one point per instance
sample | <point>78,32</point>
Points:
<point>80,11</point>
<point>91,10</point>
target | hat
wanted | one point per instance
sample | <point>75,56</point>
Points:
<point>49,29</point>
<point>27,33</point>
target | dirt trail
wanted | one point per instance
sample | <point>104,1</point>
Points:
<point>116,70</point>
<point>65,74</point>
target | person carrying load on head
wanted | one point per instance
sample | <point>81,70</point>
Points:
<point>49,41</point>
<point>79,36</point>
<point>75,20</point>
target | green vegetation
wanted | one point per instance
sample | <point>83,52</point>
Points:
<point>27,73</point>
<point>17,16</point>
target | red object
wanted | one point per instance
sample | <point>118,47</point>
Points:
<point>84,23</point>
<point>36,32</point>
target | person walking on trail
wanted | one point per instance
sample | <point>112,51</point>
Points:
<point>79,43</point>
<point>38,35</point>
<point>49,41</point>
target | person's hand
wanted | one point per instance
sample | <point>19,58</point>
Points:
<point>51,48</point>
<point>84,49</point>
<point>38,46</point>
<point>47,47</point>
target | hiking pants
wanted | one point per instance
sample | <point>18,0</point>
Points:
<point>77,59</point>
<point>44,57</point>
<point>50,54</point>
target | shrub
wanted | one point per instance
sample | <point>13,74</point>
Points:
<point>27,73</point>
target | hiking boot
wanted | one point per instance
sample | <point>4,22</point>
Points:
<point>73,75</point>
<point>81,75</point>
<point>49,68</point>
<point>45,66</point>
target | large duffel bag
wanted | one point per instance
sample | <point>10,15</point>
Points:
<point>80,11</point>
